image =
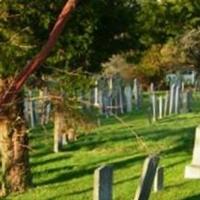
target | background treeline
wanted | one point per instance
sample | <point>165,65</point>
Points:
<point>148,35</point>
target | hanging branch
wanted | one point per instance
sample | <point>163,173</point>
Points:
<point>35,63</point>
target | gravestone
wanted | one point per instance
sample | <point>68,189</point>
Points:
<point>160,107</point>
<point>31,109</point>
<point>193,171</point>
<point>182,86</point>
<point>166,104</point>
<point>137,94</point>
<point>154,107</point>
<point>190,100</point>
<point>121,101</point>
<point>103,183</point>
<point>96,99</point>
<point>128,97</point>
<point>26,109</point>
<point>110,93</point>
<point>172,99</point>
<point>147,178</point>
<point>186,102</point>
<point>48,111</point>
<point>177,99</point>
<point>100,100</point>
<point>151,87</point>
<point>159,179</point>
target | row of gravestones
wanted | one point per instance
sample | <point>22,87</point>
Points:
<point>112,95</point>
<point>37,108</point>
<point>151,173</point>
<point>175,101</point>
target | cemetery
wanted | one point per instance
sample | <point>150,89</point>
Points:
<point>99,100</point>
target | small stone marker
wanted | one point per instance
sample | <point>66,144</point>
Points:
<point>137,94</point>
<point>193,171</point>
<point>172,98</point>
<point>186,101</point>
<point>146,180</point>
<point>103,183</point>
<point>177,99</point>
<point>121,102</point>
<point>190,100</point>
<point>154,107</point>
<point>166,103</point>
<point>159,179</point>
<point>128,96</point>
<point>160,107</point>
<point>152,87</point>
<point>96,103</point>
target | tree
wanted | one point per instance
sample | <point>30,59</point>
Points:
<point>14,148</point>
<point>189,48</point>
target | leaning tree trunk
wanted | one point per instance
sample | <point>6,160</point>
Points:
<point>16,176</point>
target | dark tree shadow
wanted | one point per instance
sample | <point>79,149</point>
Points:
<point>69,175</point>
<point>195,197</point>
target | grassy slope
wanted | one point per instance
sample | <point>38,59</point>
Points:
<point>69,175</point>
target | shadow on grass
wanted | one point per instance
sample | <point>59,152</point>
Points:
<point>93,141</point>
<point>71,194</point>
<point>176,163</point>
<point>50,160</point>
<point>89,170</point>
<point>126,180</point>
<point>195,197</point>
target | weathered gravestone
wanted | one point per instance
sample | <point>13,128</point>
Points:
<point>177,99</point>
<point>110,97</point>
<point>172,99</point>
<point>31,109</point>
<point>160,107</point>
<point>186,102</point>
<point>137,94</point>
<point>26,109</point>
<point>166,104</point>
<point>103,183</point>
<point>96,94</point>
<point>159,179</point>
<point>128,97</point>
<point>151,87</point>
<point>147,178</point>
<point>193,171</point>
<point>154,106</point>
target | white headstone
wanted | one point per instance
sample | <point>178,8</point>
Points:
<point>172,98</point>
<point>160,107</point>
<point>96,102</point>
<point>193,171</point>
<point>128,96</point>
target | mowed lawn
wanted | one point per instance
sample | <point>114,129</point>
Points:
<point>68,175</point>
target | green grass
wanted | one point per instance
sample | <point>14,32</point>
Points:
<point>68,175</point>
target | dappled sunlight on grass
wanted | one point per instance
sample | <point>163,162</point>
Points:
<point>69,174</point>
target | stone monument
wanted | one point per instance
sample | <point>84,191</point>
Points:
<point>192,171</point>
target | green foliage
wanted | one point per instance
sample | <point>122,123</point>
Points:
<point>96,31</point>
<point>189,47</point>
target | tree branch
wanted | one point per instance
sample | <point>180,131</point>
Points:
<point>36,62</point>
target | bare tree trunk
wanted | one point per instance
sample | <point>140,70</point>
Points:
<point>14,154</point>
<point>16,175</point>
